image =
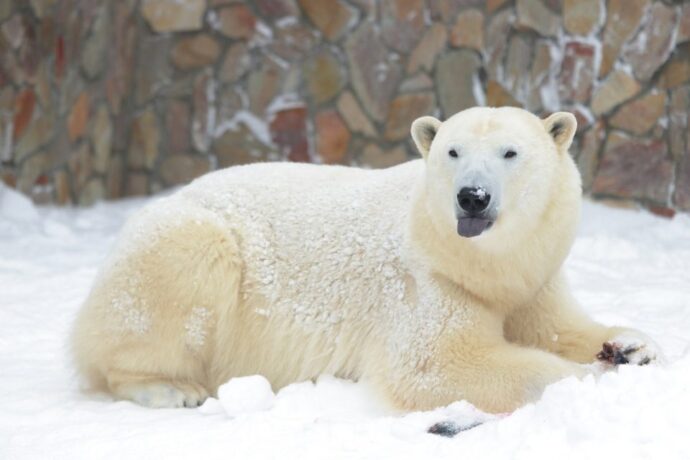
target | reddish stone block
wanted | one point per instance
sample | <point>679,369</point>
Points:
<point>662,211</point>
<point>76,122</point>
<point>289,133</point>
<point>577,72</point>
<point>177,120</point>
<point>43,179</point>
<point>59,57</point>
<point>276,9</point>
<point>332,136</point>
<point>23,110</point>
<point>402,23</point>
<point>237,21</point>
<point>634,169</point>
<point>331,18</point>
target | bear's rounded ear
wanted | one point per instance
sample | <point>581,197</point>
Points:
<point>423,132</point>
<point>561,126</point>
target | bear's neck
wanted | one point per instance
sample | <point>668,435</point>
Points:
<point>502,278</point>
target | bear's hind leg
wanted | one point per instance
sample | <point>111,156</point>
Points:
<point>149,329</point>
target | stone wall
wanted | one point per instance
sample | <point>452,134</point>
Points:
<point>104,99</point>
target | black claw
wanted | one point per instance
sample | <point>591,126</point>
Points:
<point>449,429</point>
<point>607,352</point>
<point>620,357</point>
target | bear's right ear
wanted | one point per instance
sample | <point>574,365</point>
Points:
<point>561,126</point>
<point>423,132</point>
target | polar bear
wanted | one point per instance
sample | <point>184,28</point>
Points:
<point>436,280</point>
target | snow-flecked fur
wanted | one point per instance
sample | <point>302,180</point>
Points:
<point>292,271</point>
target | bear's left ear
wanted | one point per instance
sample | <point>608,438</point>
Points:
<point>423,132</point>
<point>561,126</point>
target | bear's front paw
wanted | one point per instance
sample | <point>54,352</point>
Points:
<point>629,348</point>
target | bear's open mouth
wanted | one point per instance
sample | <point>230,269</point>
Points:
<point>473,226</point>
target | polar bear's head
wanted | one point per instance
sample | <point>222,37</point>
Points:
<point>494,171</point>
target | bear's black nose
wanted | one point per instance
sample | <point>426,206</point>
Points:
<point>473,200</point>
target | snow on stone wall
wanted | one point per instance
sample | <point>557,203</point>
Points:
<point>104,99</point>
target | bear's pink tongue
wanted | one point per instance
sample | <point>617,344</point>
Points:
<point>472,226</point>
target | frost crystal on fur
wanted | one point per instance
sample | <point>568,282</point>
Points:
<point>129,316</point>
<point>196,327</point>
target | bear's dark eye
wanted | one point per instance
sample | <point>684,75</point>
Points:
<point>510,154</point>
<point>453,153</point>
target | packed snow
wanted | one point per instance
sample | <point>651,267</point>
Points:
<point>627,267</point>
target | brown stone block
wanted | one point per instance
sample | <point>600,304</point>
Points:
<point>114,178</point>
<point>239,146</point>
<point>577,72</point>
<point>535,15</point>
<point>681,196</point>
<point>676,71</point>
<point>237,21</point>
<point>582,17</point>
<point>498,96</point>
<point>61,181</point>
<point>455,72</point>
<point>634,169</point>
<point>332,136</point>
<point>653,43</point>
<point>588,156</point>
<point>293,42</point>
<point>289,133</point>
<point>263,85</point>
<point>173,15</point>
<point>39,133</point>
<point>178,126</point>
<point>145,141</point>
<point>496,39</point>
<point>373,74</point>
<point>404,110</point>
<point>425,53</point>
<point>324,76</point>
<point>354,116</point>
<point>640,115</point>
<point>76,122</point>
<point>468,30</point>
<point>679,122</point>
<point>24,104</point>
<point>518,64</point>
<point>617,88</point>
<point>402,23</point>
<point>235,63</point>
<point>331,18</point>
<point>622,19</point>
<point>196,51</point>
<point>101,138</point>
<point>277,9</point>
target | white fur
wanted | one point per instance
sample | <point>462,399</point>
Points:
<point>291,271</point>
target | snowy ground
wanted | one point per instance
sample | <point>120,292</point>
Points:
<point>627,268</point>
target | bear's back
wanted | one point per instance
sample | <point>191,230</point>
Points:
<point>318,243</point>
